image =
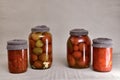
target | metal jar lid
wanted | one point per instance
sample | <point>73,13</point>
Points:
<point>41,28</point>
<point>78,32</point>
<point>17,44</point>
<point>102,42</point>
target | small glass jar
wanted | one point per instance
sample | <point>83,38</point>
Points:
<point>40,47</point>
<point>17,56</point>
<point>102,54</point>
<point>78,49</point>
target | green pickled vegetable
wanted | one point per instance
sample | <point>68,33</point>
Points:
<point>35,37</point>
<point>69,44</point>
<point>38,51</point>
<point>39,43</point>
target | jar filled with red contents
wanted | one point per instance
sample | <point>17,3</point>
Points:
<point>78,49</point>
<point>40,47</point>
<point>102,54</point>
<point>17,56</point>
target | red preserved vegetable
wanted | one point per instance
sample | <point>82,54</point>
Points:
<point>102,54</point>
<point>17,56</point>
<point>78,49</point>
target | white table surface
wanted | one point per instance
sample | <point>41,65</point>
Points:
<point>60,71</point>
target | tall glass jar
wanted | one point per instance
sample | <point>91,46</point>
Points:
<point>17,56</point>
<point>78,49</point>
<point>102,54</point>
<point>40,47</point>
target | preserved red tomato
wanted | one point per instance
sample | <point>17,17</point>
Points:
<point>102,54</point>
<point>40,47</point>
<point>17,56</point>
<point>78,49</point>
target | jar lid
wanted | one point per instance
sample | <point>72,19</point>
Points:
<point>17,44</point>
<point>102,42</point>
<point>41,28</point>
<point>78,32</point>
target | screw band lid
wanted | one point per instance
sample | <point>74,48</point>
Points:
<point>78,32</point>
<point>41,28</point>
<point>17,44</point>
<point>102,42</point>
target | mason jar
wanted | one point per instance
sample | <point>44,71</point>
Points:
<point>40,47</point>
<point>78,49</point>
<point>102,54</point>
<point>17,56</point>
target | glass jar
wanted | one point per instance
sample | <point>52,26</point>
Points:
<point>78,49</point>
<point>40,47</point>
<point>17,56</point>
<point>102,54</point>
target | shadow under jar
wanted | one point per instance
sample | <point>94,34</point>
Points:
<point>78,49</point>
<point>40,47</point>
<point>17,56</point>
<point>102,54</point>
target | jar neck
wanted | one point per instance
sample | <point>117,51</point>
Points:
<point>78,36</point>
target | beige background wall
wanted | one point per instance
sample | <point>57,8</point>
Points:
<point>100,17</point>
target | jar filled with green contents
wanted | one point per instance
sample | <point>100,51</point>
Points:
<point>40,47</point>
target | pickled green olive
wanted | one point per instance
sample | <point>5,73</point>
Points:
<point>39,43</point>
<point>35,37</point>
<point>38,51</point>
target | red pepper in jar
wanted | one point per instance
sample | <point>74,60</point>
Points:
<point>102,54</point>
<point>17,56</point>
<point>78,49</point>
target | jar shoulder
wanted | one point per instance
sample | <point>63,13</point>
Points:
<point>80,39</point>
